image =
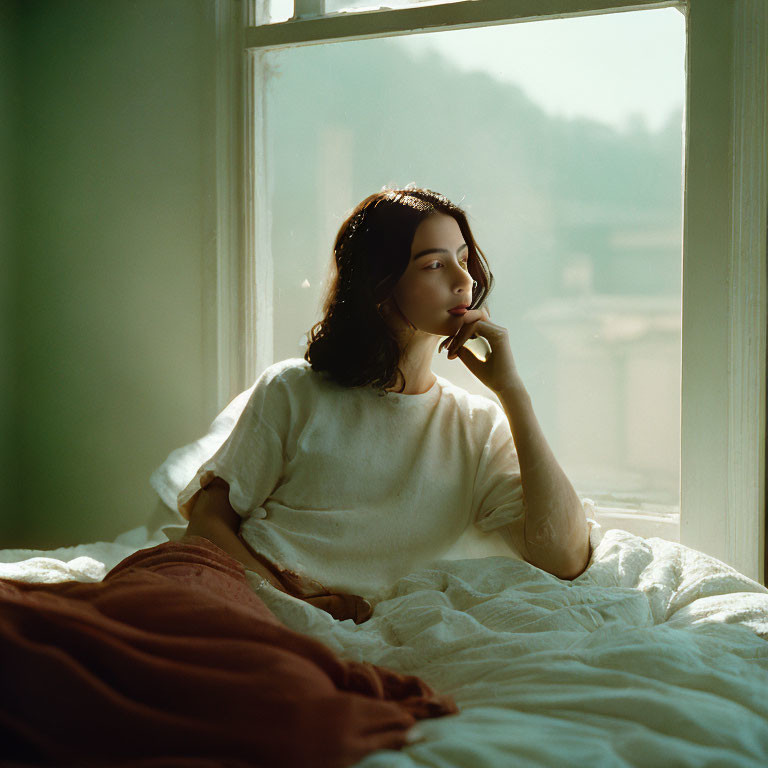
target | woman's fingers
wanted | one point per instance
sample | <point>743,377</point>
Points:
<point>343,606</point>
<point>301,586</point>
<point>467,331</point>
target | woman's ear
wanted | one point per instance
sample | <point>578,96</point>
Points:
<point>385,307</point>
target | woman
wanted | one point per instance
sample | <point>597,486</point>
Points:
<point>356,465</point>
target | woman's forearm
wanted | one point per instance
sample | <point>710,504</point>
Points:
<point>223,536</point>
<point>556,531</point>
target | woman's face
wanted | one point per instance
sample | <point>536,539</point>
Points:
<point>436,278</point>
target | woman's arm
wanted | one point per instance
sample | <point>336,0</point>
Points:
<point>213,518</point>
<point>556,531</point>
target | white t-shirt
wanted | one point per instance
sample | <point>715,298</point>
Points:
<point>355,489</point>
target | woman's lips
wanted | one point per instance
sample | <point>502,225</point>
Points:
<point>461,311</point>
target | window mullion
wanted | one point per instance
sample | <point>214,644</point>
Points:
<point>724,298</point>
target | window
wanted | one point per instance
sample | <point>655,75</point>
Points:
<point>275,11</point>
<point>602,273</point>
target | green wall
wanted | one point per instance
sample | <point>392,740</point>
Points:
<point>108,196</point>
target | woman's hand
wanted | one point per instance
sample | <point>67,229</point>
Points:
<point>498,371</point>
<point>341,605</point>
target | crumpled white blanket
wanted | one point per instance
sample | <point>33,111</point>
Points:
<point>655,656</point>
<point>84,562</point>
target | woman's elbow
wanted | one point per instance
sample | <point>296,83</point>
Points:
<point>212,503</point>
<point>573,567</point>
<point>566,566</point>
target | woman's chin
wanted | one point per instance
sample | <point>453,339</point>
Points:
<point>446,330</point>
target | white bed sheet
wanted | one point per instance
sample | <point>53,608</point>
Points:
<point>656,656</point>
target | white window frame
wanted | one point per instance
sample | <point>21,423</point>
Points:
<point>724,316</point>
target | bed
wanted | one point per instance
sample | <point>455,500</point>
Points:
<point>657,655</point>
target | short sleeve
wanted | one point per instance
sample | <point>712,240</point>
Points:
<point>498,490</point>
<point>250,459</point>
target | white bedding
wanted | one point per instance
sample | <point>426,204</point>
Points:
<point>656,656</point>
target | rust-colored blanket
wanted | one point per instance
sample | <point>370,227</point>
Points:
<point>172,660</point>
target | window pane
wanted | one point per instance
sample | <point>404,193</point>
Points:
<point>332,6</point>
<point>562,139</point>
<point>271,12</point>
<point>274,11</point>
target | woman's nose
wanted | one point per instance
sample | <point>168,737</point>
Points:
<point>463,280</point>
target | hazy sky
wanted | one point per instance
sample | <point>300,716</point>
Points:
<point>606,67</point>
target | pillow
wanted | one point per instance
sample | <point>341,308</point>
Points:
<point>176,472</point>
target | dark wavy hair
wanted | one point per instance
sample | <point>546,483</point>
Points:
<point>352,344</point>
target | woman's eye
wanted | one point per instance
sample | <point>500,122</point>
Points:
<point>464,264</point>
